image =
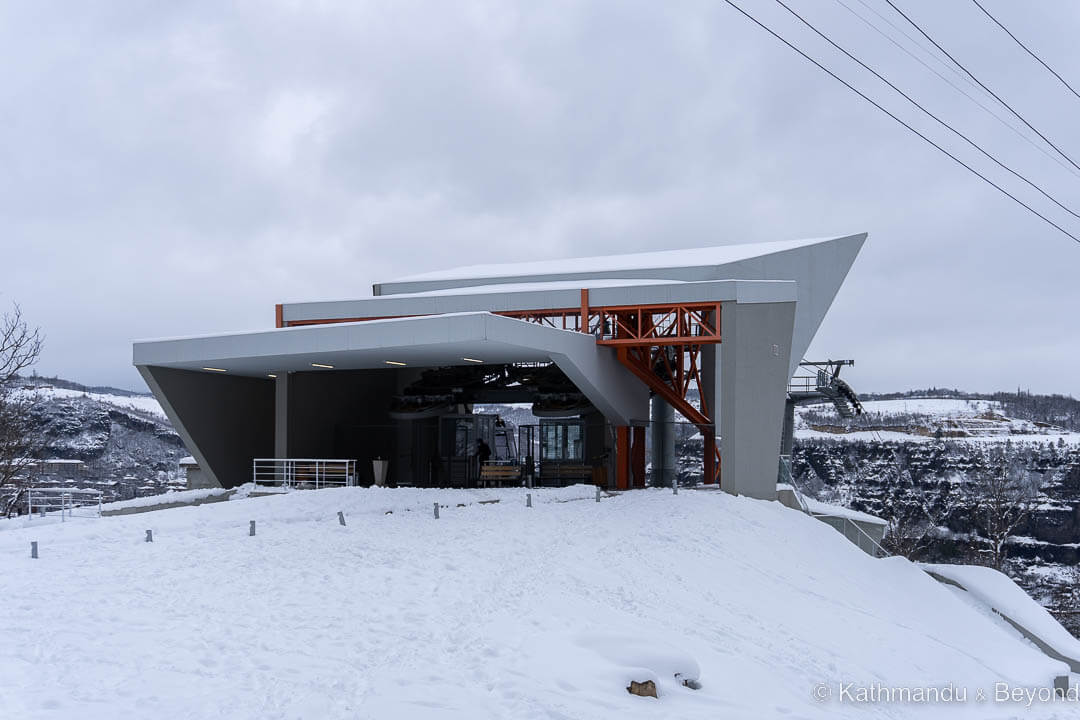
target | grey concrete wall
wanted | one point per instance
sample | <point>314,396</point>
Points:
<point>344,414</point>
<point>225,421</point>
<point>199,479</point>
<point>753,374</point>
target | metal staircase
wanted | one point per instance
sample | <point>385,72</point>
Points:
<point>820,383</point>
<point>825,384</point>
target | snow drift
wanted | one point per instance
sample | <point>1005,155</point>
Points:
<point>493,611</point>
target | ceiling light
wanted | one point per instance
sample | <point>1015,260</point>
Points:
<point>472,360</point>
<point>271,375</point>
<point>215,369</point>
<point>320,365</point>
<point>394,362</point>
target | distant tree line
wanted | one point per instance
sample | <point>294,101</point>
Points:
<point>1059,410</point>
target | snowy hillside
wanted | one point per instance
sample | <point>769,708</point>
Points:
<point>127,446</point>
<point>492,611</point>
<point>925,419</point>
<point>144,404</point>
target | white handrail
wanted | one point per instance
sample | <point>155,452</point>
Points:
<point>303,472</point>
<point>62,499</point>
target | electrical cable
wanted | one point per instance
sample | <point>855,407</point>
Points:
<point>865,97</point>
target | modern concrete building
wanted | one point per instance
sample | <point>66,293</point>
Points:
<point>713,334</point>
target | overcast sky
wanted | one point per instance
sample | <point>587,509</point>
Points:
<point>177,168</point>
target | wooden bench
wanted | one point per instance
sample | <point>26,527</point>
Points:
<point>560,474</point>
<point>499,475</point>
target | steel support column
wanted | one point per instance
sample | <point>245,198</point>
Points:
<point>637,457</point>
<point>622,457</point>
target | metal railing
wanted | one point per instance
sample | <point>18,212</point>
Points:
<point>855,534</point>
<point>845,525</point>
<point>68,501</point>
<point>303,473</point>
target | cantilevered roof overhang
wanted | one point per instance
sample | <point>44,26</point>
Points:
<point>427,341</point>
<point>742,273</point>
<point>544,296</point>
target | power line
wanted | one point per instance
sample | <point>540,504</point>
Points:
<point>915,41</point>
<point>1026,48</point>
<point>981,84</point>
<point>916,103</point>
<point>865,97</point>
<point>1019,133</point>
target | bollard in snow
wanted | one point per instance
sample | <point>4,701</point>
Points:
<point>33,550</point>
<point>528,499</point>
<point>149,536</point>
<point>597,493</point>
<point>341,517</point>
<point>436,511</point>
<point>674,487</point>
<point>251,529</point>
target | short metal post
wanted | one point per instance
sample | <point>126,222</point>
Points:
<point>33,550</point>
<point>597,493</point>
<point>674,487</point>
<point>341,517</point>
<point>30,504</point>
<point>62,496</point>
<point>251,529</point>
<point>149,536</point>
<point>528,499</point>
<point>436,511</point>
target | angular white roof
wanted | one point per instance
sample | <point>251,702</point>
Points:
<point>604,264</point>
<point>817,266</point>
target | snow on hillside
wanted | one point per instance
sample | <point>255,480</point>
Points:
<point>491,611</point>
<point>923,419</point>
<point>138,403</point>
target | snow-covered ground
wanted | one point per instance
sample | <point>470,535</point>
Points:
<point>965,420</point>
<point>492,611</point>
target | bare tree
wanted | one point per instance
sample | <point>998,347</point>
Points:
<point>20,437</point>
<point>1002,494</point>
<point>915,517</point>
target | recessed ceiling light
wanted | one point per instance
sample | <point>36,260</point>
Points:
<point>321,365</point>
<point>472,360</point>
<point>271,375</point>
<point>394,362</point>
<point>215,369</point>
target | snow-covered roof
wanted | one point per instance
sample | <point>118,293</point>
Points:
<point>718,255</point>
<point>1006,597</point>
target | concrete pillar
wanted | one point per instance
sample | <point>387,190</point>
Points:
<point>281,415</point>
<point>662,424</point>
<point>753,376</point>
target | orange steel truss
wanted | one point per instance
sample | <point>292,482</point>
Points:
<point>660,344</point>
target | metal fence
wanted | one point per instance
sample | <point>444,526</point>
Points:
<point>303,473</point>
<point>69,502</point>
<point>854,533</point>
